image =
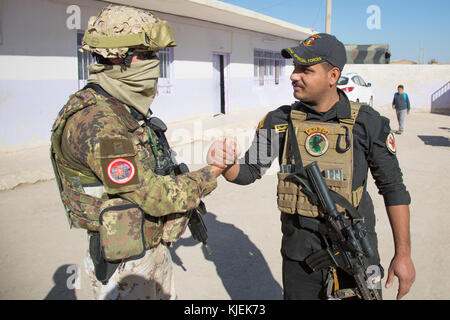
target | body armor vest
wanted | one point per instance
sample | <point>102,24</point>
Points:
<point>84,196</point>
<point>331,145</point>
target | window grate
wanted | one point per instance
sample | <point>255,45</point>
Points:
<point>268,66</point>
<point>166,66</point>
<point>84,60</point>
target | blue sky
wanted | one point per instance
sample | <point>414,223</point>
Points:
<point>406,26</point>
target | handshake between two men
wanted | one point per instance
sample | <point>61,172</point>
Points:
<point>222,157</point>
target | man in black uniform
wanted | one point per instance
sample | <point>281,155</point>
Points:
<point>319,61</point>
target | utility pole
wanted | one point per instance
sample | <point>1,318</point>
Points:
<point>421,53</point>
<point>328,18</point>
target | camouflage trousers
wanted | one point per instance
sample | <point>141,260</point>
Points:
<point>148,278</point>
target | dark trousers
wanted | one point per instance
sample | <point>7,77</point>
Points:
<point>301,283</point>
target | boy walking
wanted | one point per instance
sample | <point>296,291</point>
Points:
<point>402,107</point>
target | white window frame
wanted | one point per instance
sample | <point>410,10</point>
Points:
<point>165,84</point>
<point>84,60</point>
<point>266,60</point>
<point>165,81</point>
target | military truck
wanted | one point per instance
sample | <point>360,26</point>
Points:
<point>367,53</point>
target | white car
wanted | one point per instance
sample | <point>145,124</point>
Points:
<point>356,88</point>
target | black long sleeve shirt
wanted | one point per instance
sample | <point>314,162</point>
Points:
<point>370,152</point>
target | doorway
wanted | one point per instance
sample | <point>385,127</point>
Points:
<point>220,64</point>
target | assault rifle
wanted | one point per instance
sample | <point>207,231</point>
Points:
<point>165,164</point>
<point>347,246</point>
<point>196,224</point>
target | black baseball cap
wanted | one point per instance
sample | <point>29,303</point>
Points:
<point>318,48</point>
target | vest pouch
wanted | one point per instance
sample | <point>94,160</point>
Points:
<point>287,194</point>
<point>292,200</point>
<point>84,209</point>
<point>121,230</point>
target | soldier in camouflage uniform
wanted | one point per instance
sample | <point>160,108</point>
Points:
<point>113,166</point>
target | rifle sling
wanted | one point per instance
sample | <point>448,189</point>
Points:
<point>294,146</point>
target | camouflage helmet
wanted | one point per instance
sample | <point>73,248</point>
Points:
<point>116,29</point>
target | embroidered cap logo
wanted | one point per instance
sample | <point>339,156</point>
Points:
<point>310,41</point>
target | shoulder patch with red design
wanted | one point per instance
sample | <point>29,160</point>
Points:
<point>121,171</point>
<point>390,143</point>
<point>118,161</point>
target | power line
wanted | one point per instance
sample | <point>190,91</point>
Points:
<point>317,15</point>
<point>275,4</point>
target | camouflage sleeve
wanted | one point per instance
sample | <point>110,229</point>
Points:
<point>92,130</point>
<point>162,195</point>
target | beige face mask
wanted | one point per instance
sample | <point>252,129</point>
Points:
<point>135,85</point>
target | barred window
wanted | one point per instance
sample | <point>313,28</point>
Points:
<point>166,64</point>
<point>165,56</point>
<point>268,66</point>
<point>84,60</point>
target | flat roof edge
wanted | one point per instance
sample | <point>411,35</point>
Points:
<point>215,4</point>
<point>223,13</point>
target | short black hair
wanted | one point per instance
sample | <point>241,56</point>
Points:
<point>400,86</point>
<point>101,59</point>
<point>327,66</point>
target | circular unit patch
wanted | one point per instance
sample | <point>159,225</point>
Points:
<point>317,144</point>
<point>390,143</point>
<point>121,171</point>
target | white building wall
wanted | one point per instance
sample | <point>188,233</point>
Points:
<point>38,68</point>
<point>420,82</point>
<point>195,88</point>
<point>38,63</point>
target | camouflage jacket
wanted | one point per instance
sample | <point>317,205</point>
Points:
<point>96,143</point>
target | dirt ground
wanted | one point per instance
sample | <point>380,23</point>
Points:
<point>41,257</point>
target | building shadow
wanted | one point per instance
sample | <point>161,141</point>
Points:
<point>445,128</point>
<point>435,141</point>
<point>240,265</point>
<point>63,289</point>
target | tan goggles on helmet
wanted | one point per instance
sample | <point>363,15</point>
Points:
<point>155,36</point>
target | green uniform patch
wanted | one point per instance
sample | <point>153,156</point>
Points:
<point>316,143</point>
